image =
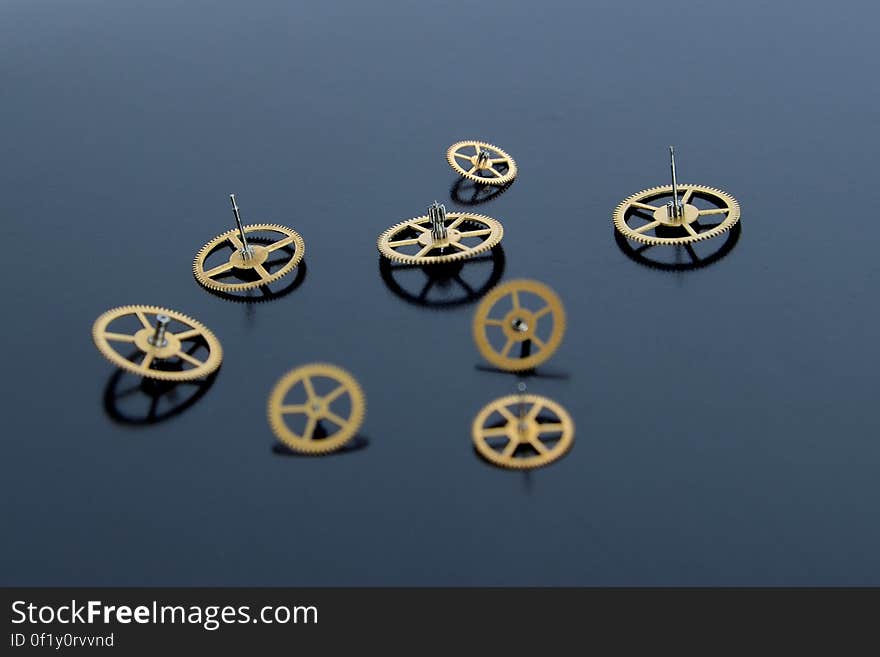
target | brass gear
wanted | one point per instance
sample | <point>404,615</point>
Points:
<point>171,353</point>
<point>316,408</point>
<point>518,325</point>
<point>638,205</point>
<point>254,263</point>
<point>417,233</point>
<point>467,164</point>
<point>527,423</point>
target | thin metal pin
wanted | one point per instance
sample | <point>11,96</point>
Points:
<point>521,406</point>
<point>158,337</point>
<point>246,250</point>
<point>677,205</point>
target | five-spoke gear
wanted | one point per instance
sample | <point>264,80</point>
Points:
<point>481,162</point>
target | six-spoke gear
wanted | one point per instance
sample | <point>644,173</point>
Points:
<point>481,162</point>
<point>318,410</point>
<point>522,431</point>
<point>440,237</point>
<point>504,321</point>
<point>248,256</point>
<point>158,353</point>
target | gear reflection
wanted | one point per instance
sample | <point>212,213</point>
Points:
<point>130,399</point>
<point>687,257</point>
<point>444,285</point>
<point>468,193</point>
<point>356,444</point>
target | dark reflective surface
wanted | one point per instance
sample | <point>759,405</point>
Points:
<point>726,431</point>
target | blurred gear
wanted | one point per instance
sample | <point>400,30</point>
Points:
<point>159,353</point>
<point>678,221</point>
<point>248,255</point>
<point>522,431</point>
<point>440,237</point>
<point>503,314</point>
<point>481,162</point>
<point>317,409</point>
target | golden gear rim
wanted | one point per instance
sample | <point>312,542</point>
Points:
<point>347,429</point>
<point>499,180</point>
<point>496,233</point>
<point>506,459</point>
<point>197,329</point>
<point>231,236</point>
<point>552,305</point>
<point>686,190</point>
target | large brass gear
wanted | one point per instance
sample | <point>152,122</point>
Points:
<point>466,160</point>
<point>656,219</point>
<point>532,431</point>
<point>519,324</point>
<point>316,408</point>
<point>168,360</point>
<point>255,263</point>
<point>416,234</point>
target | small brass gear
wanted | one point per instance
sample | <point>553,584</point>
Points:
<point>522,431</point>
<point>415,235</point>
<point>171,358</point>
<point>317,409</point>
<point>639,220</point>
<point>470,159</point>
<point>519,324</point>
<point>255,263</point>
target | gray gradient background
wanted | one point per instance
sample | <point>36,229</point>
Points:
<point>727,428</point>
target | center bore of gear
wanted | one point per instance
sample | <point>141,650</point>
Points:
<point>452,236</point>
<point>257,256</point>
<point>690,213</point>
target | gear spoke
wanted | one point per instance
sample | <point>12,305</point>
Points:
<point>309,388</point>
<point>147,361</point>
<point>418,227</point>
<point>192,360</point>
<point>703,213</point>
<point>280,244</point>
<point>459,245</point>
<point>646,227</point>
<point>495,172</point>
<point>329,399</point>
<point>472,169</point>
<point>119,337</point>
<point>425,249</point>
<point>507,347</point>
<point>188,334</point>
<point>538,342</point>
<point>644,206</point>
<point>493,322</point>
<point>456,222</point>
<point>236,243</point>
<point>498,160</point>
<point>514,299</point>
<point>293,408</point>
<point>309,431</point>
<point>262,272</point>
<point>510,448</point>
<point>463,156</point>
<point>406,242</point>
<point>544,311</point>
<point>494,432</point>
<point>219,269</point>
<point>550,427</point>
<point>507,414</point>
<point>686,196</point>
<point>540,447</point>
<point>476,233</point>
<point>689,228</point>
<point>335,419</point>
<point>143,319</point>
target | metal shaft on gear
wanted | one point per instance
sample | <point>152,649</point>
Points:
<point>483,159</point>
<point>437,214</point>
<point>246,250</point>
<point>158,337</point>
<point>674,208</point>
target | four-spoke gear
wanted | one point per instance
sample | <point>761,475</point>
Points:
<point>159,353</point>
<point>318,410</point>
<point>679,221</point>
<point>440,237</point>
<point>522,431</point>
<point>498,332</point>
<point>248,255</point>
<point>481,162</point>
